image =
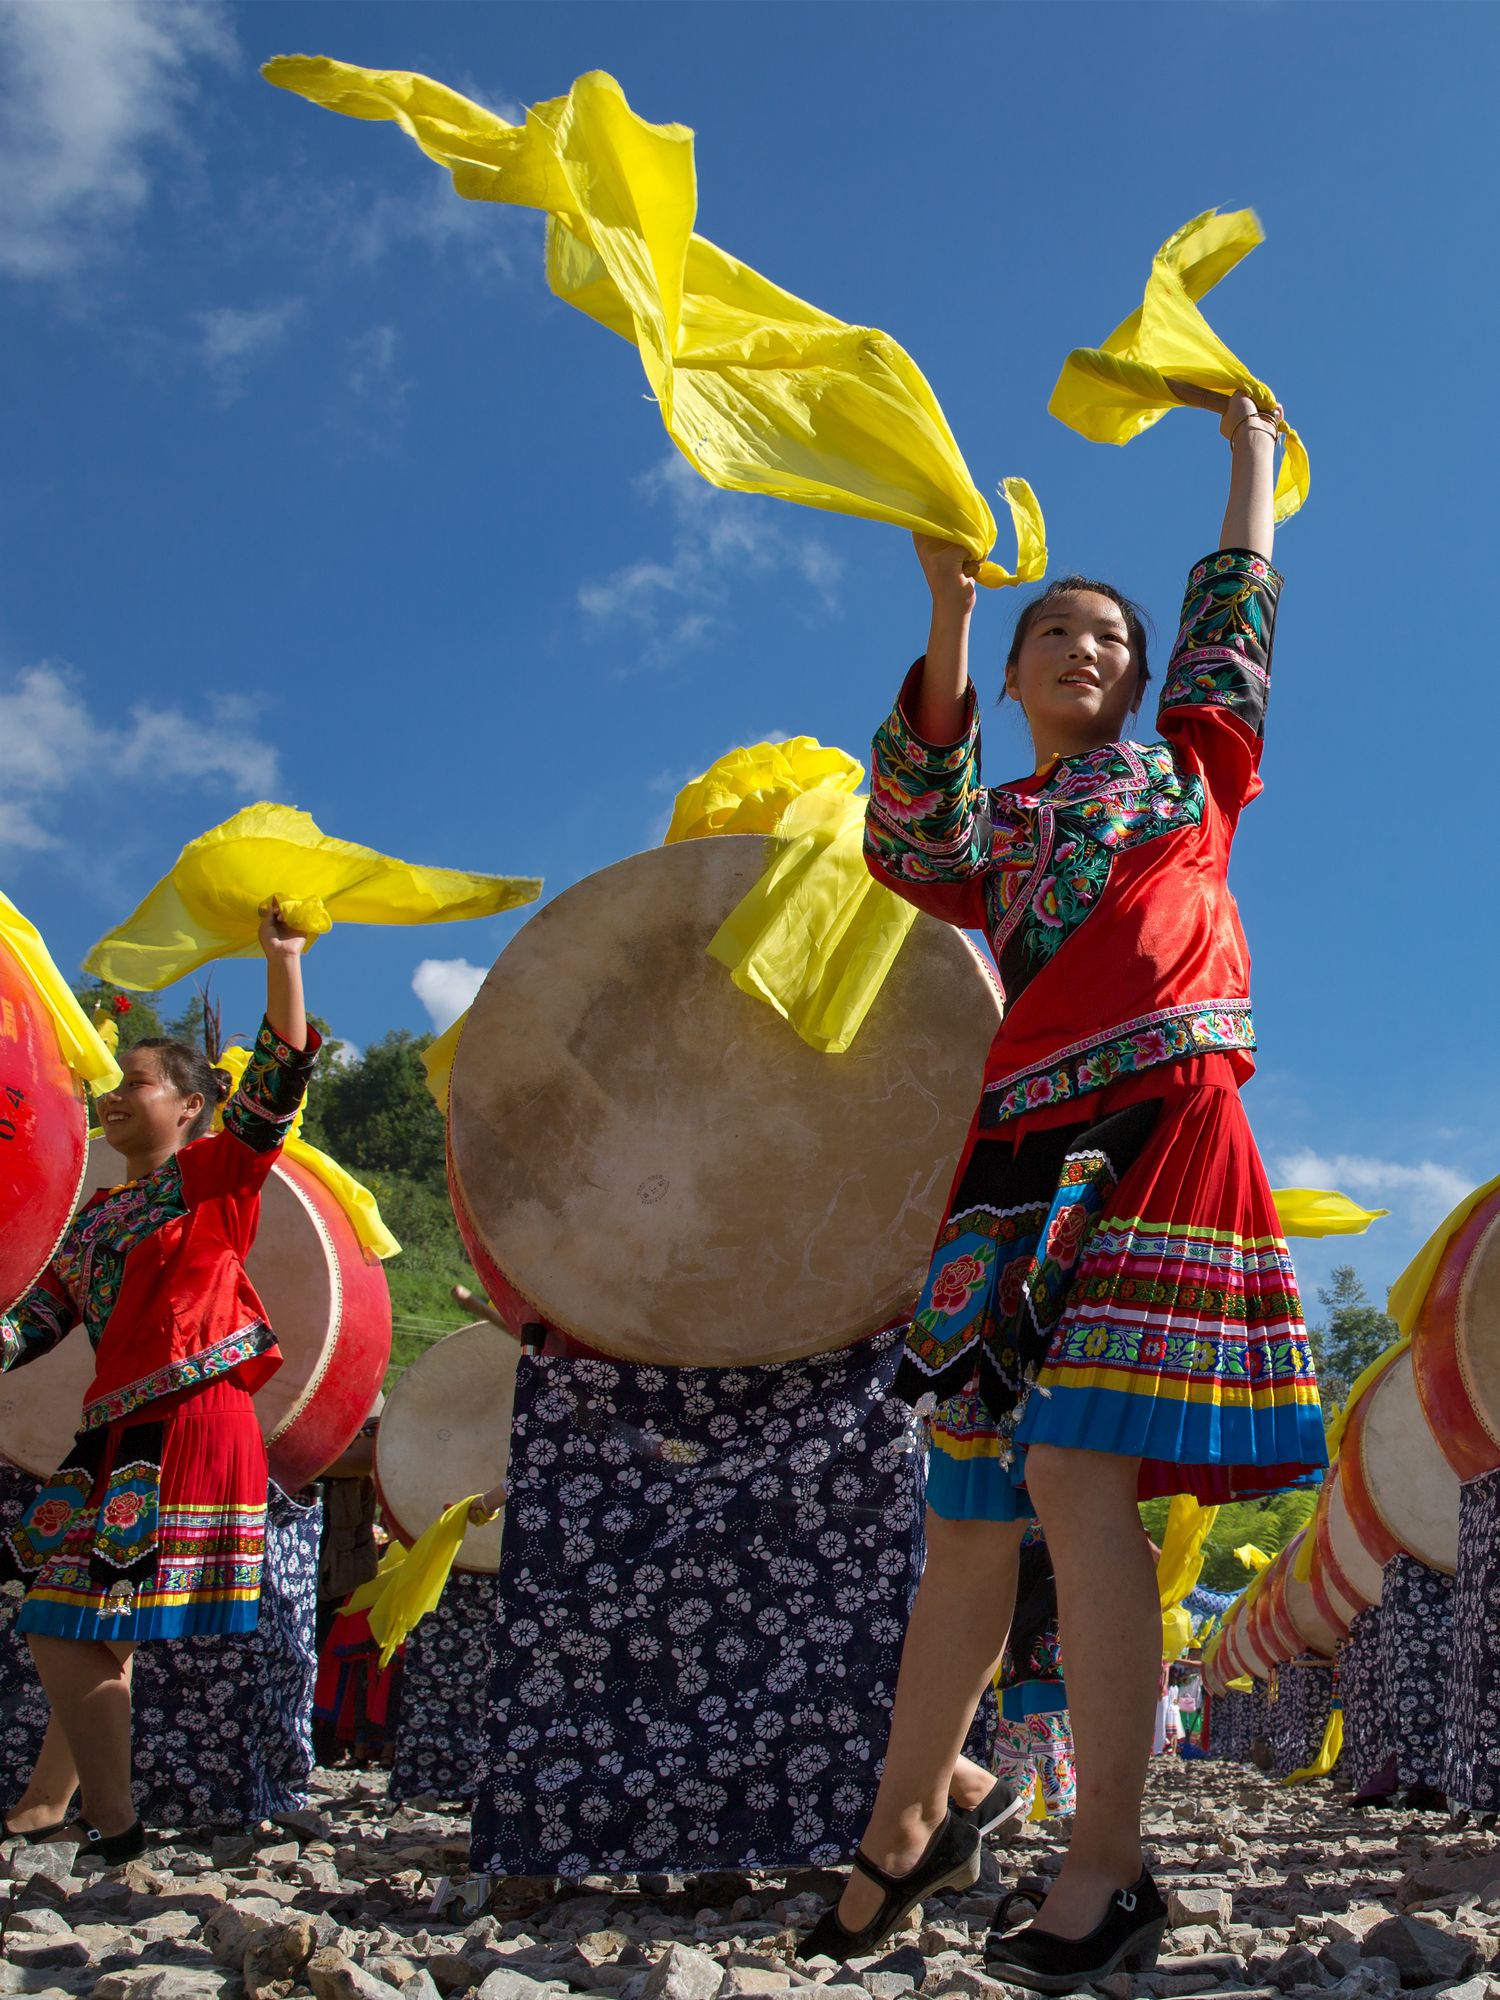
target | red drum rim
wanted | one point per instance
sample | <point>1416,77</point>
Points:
<point>1441,1361</point>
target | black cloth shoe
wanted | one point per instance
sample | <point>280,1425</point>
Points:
<point>1127,1939</point>
<point>1001,1804</point>
<point>36,1835</point>
<point>950,1862</point>
<point>112,1848</point>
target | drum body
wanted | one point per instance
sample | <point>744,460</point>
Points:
<point>1348,1564</point>
<point>445,1432</point>
<point>1318,1632</point>
<point>1400,1489</point>
<point>654,1163</point>
<point>330,1307</point>
<point>1456,1347</point>
<point>43,1134</point>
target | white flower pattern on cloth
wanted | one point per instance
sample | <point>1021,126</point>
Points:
<point>1367,1742</point>
<point>1416,1639</point>
<point>1299,1714</point>
<point>703,1593</point>
<point>1472,1767</point>
<point>440,1734</point>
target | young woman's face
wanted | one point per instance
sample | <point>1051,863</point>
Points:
<point>1074,676</point>
<point>146,1113</point>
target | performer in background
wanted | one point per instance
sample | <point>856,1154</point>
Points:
<point>154,1526</point>
<point>1111,1280</point>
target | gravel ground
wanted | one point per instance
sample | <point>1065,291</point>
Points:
<point>1272,1891</point>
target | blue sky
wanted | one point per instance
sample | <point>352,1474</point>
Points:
<point>311,491</point>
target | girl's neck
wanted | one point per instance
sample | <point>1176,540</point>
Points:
<point>140,1166</point>
<point>1050,749</point>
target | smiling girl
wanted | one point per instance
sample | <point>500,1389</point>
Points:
<point>1111,1312</point>
<point>154,1526</point>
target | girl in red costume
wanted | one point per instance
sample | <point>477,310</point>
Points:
<point>1111,1312</point>
<point>154,1527</point>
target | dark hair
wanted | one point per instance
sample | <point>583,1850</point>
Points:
<point>189,1070</point>
<point>1074,586</point>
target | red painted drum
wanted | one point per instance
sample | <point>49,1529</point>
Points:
<point>1401,1491</point>
<point>649,1160</point>
<point>1318,1632</point>
<point>1251,1645</point>
<point>43,1134</point>
<point>1455,1349</point>
<point>1348,1564</point>
<point>329,1304</point>
<point>445,1432</point>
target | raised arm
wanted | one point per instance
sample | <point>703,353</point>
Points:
<point>939,709</point>
<point>286,1009</point>
<point>1250,514</point>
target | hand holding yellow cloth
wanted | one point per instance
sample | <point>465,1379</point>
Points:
<point>817,934</point>
<point>1114,392</point>
<point>210,905</point>
<point>1322,1212</point>
<point>79,1042</point>
<point>760,391</point>
<point>352,1196</point>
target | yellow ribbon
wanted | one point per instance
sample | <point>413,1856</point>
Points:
<point>352,1196</point>
<point>211,904</point>
<point>1179,1568</point>
<point>1328,1755</point>
<point>1411,1288</point>
<point>437,1061</point>
<point>1252,1557</point>
<point>760,391</point>
<point>1322,1212</point>
<point>817,934</point>
<point>81,1045</point>
<point>365,1594</point>
<point>1112,393</point>
<point>412,1587</point>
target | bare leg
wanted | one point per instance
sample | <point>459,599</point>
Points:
<point>1111,1648</point>
<point>953,1645</point>
<point>54,1779</point>
<point>88,1684</point>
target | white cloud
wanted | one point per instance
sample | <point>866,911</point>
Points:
<point>346,1054</point>
<point>715,536</point>
<point>372,376</point>
<point>1419,1194</point>
<point>446,988</point>
<point>93,92</point>
<point>232,339</point>
<point>54,745</point>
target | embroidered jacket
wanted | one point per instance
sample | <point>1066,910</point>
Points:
<point>1102,886</point>
<point>155,1269</point>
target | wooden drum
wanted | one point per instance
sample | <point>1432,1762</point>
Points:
<point>1401,1491</point>
<point>1455,1349</point>
<point>43,1134</point>
<point>649,1160</point>
<point>328,1303</point>
<point>445,1432</point>
<point>1318,1632</point>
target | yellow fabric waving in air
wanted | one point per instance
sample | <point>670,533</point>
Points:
<point>1329,1752</point>
<point>817,934</point>
<point>352,1196</point>
<point>760,391</point>
<point>1114,392</point>
<point>413,1586</point>
<point>1410,1290</point>
<point>210,905</point>
<point>1252,1557</point>
<point>79,1042</point>
<point>1177,1572</point>
<point>1322,1212</point>
<point>437,1061</point>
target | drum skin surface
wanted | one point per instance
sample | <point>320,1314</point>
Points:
<point>1402,1493</point>
<point>649,1160</point>
<point>1456,1347</point>
<point>43,1134</point>
<point>1352,1568</point>
<point>330,1308</point>
<point>445,1432</point>
<point>1318,1632</point>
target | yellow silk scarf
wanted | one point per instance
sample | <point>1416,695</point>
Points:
<point>210,906</point>
<point>82,1047</point>
<point>1112,393</point>
<point>352,1196</point>
<point>1329,1752</point>
<point>1322,1212</point>
<point>760,391</point>
<point>1182,1554</point>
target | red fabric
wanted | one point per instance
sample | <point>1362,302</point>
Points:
<point>1166,931</point>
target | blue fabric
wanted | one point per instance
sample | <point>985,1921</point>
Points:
<point>1137,1426</point>
<point>440,1734</point>
<point>167,1621</point>
<point>1033,1698</point>
<point>703,1594</point>
<point>974,1489</point>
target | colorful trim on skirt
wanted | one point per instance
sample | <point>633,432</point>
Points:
<point>1123,1286</point>
<point>973,1469</point>
<point>153,1528</point>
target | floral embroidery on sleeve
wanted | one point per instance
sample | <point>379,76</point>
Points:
<point>926,820</point>
<point>271,1090</point>
<point>34,1325</point>
<point>1222,655</point>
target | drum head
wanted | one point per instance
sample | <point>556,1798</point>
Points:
<point>1478,1330</point>
<point>445,1432</point>
<point>1361,1571</point>
<point>663,1167</point>
<point>1410,1482</point>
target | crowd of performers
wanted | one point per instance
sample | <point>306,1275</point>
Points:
<point>1111,1312</point>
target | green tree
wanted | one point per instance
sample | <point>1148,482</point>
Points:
<point>139,1019</point>
<point>377,1113</point>
<point>1356,1332</point>
<point>1269,1524</point>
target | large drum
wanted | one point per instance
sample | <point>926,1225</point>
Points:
<point>43,1134</point>
<point>1401,1491</point>
<point>651,1161</point>
<point>331,1310</point>
<point>445,1432</point>
<point>1348,1565</point>
<point>1456,1347</point>
<point>1318,1632</point>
